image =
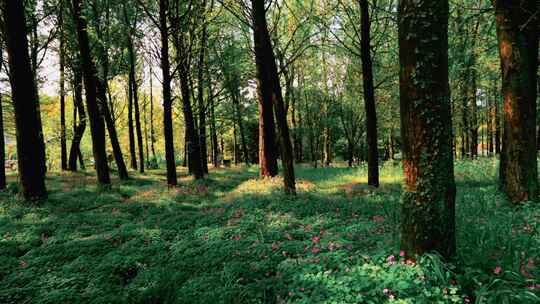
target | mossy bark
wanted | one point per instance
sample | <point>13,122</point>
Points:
<point>428,207</point>
<point>517,32</point>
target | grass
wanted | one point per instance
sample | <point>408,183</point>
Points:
<point>236,239</point>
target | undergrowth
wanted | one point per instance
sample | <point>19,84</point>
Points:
<point>236,239</point>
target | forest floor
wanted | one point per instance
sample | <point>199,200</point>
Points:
<point>236,239</point>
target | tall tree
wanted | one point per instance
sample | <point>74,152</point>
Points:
<point>30,145</point>
<point>517,32</point>
<point>369,96</point>
<point>270,91</point>
<point>97,127</point>
<point>428,207</point>
<point>78,108</point>
<point>2,149</point>
<point>63,142</point>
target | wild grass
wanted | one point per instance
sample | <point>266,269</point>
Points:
<point>237,239</point>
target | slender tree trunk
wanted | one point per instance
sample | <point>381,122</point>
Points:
<point>167,98</point>
<point>200,97</point>
<point>240,122</point>
<point>135,95</point>
<point>78,130</point>
<point>2,149</point>
<point>270,90</point>
<point>192,139</point>
<point>215,145</point>
<point>428,207</point>
<point>96,120</point>
<point>369,97</point>
<point>63,142</point>
<point>517,32</point>
<point>24,95</point>
<point>131,132</point>
<point>145,129</point>
<point>152,131</point>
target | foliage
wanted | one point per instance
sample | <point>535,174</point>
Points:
<point>237,239</point>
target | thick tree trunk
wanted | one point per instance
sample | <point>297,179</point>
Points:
<point>517,32</point>
<point>24,95</point>
<point>270,90</point>
<point>78,130</point>
<point>428,208</point>
<point>369,97</point>
<point>2,149</point>
<point>167,98</point>
<point>90,82</point>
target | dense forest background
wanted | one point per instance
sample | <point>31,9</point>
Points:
<point>201,129</point>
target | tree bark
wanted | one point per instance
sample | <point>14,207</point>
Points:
<point>90,82</point>
<point>79,128</point>
<point>517,33</point>
<point>2,149</point>
<point>200,93</point>
<point>369,97</point>
<point>428,207</point>
<point>24,95</point>
<point>131,132</point>
<point>167,98</point>
<point>135,96</point>
<point>270,90</point>
<point>63,142</point>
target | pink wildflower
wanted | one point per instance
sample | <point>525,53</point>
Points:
<point>497,270</point>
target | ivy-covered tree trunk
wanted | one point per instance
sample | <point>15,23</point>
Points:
<point>24,95</point>
<point>167,98</point>
<point>517,32</point>
<point>270,90</point>
<point>369,97</point>
<point>80,127</point>
<point>97,127</point>
<point>428,207</point>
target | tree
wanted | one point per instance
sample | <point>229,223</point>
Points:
<point>62,52</point>
<point>369,97</point>
<point>428,219</point>
<point>2,149</point>
<point>78,109</point>
<point>30,144</point>
<point>97,127</point>
<point>270,94</point>
<point>517,32</point>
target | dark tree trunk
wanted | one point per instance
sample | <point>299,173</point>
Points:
<point>200,95</point>
<point>152,132</point>
<point>517,32</point>
<point>270,91</point>
<point>428,207</point>
<point>63,142</point>
<point>167,98</point>
<point>131,132</point>
<point>24,95</point>
<point>192,140</point>
<point>215,145</point>
<point>135,98</point>
<point>78,130</point>
<point>369,97</point>
<point>2,149</point>
<point>90,82</point>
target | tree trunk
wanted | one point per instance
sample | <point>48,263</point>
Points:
<point>90,82</point>
<point>240,122</point>
<point>131,132</point>
<point>213,131</point>
<point>200,94</point>
<point>152,131</point>
<point>63,142</point>
<point>24,95</point>
<point>270,90</point>
<point>79,128</point>
<point>167,98</point>
<point>135,98</point>
<point>192,144</point>
<point>517,32</point>
<point>2,149</point>
<point>369,97</point>
<point>428,207</point>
